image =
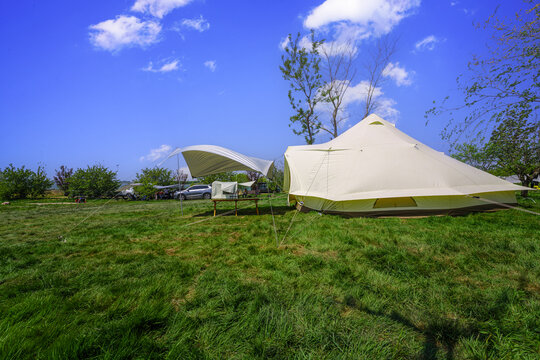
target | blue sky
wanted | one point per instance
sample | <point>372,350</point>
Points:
<point>122,82</point>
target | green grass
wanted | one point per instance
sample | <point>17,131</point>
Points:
<point>136,280</point>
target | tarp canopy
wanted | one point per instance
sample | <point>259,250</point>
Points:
<point>224,190</point>
<point>247,184</point>
<point>205,160</point>
<point>166,186</point>
<point>373,161</point>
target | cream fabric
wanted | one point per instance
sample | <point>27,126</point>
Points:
<point>375,160</point>
<point>224,190</point>
<point>205,160</point>
<point>247,184</point>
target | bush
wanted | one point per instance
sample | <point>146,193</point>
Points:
<point>156,176</point>
<point>224,176</point>
<point>93,182</point>
<point>153,176</point>
<point>20,183</point>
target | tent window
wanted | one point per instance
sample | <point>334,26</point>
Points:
<point>394,202</point>
<point>376,123</point>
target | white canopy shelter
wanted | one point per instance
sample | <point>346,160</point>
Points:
<point>224,190</point>
<point>247,184</point>
<point>205,160</point>
<point>374,169</point>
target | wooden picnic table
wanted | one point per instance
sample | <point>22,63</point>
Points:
<point>236,204</point>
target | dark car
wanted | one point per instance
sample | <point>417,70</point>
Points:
<point>195,192</point>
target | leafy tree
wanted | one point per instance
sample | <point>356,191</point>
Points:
<point>515,148</point>
<point>39,183</point>
<point>156,176</point>
<point>276,176</point>
<point>242,177</point>
<point>224,176</point>
<point>479,155</point>
<point>62,178</point>
<point>146,189</point>
<point>301,68</point>
<point>498,85</point>
<point>19,183</point>
<point>93,182</point>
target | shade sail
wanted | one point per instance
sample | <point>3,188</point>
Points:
<point>205,160</point>
<point>247,184</point>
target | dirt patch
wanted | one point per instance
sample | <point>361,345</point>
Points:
<point>234,236</point>
<point>57,203</point>
<point>300,250</point>
<point>470,282</point>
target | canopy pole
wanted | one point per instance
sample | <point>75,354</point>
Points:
<point>179,185</point>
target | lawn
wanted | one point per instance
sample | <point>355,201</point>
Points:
<point>137,280</point>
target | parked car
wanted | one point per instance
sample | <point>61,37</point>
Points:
<point>126,194</point>
<point>195,192</point>
<point>263,187</point>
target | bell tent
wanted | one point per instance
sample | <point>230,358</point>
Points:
<point>373,169</point>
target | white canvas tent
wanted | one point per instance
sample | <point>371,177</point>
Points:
<point>373,169</point>
<point>205,160</point>
<point>224,190</point>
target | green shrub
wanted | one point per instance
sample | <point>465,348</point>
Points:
<point>153,176</point>
<point>93,182</point>
<point>20,183</point>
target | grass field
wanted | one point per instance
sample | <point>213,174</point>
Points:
<point>137,280</point>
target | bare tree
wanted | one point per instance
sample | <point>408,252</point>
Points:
<point>339,73</point>
<point>181,178</point>
<point>254,176</point>
<point>62,178</point>
<point>374,66</point>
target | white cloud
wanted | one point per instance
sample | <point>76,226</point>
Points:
<point>283,44</point>
<point>427,43</point>
<point>397,73</point>
<point>200,24</point>
<point>331,48</point>
<point>453,3</point>
<point>169,66</point>
<point>156,154</point>
<point>361,18</point>
<point>385,108</point>
<point>211,64</point>
<point>158,8</point>
<point>124,31</point>
<point>356,95</point>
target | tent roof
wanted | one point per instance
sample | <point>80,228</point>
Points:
<point>205,160</point>
<point>247,184</point>
<point>362,163</point>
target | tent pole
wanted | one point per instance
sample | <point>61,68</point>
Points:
<point>179,185</point>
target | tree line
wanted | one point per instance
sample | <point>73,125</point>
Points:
<point>98,181</point>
